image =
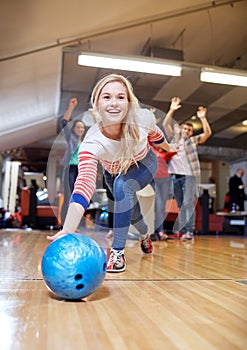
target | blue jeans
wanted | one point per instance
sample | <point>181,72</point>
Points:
<point>126,206</point>
<point>162,189</point>
<point>184,189</point>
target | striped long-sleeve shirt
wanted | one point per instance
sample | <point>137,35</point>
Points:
<point>98,148</point>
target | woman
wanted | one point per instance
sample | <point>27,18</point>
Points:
<point>119,140</point>
<point>73,134</point>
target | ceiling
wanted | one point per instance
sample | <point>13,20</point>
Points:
<point>39,73</point>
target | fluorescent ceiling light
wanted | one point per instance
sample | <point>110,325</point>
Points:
<point>133,64</point>
<point>224,76</point>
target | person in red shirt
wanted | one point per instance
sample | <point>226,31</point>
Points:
<point>162,181</point>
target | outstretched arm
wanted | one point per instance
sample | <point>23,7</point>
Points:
<point>207,132</point>
<point>72,221</point>
<point>174,106</point>
<point>83,191</point>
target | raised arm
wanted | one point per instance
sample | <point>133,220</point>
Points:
<point>174,106</point>
<point>207,132</point>
<point>72,105</point>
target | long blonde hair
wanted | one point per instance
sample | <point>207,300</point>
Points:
<point>130,133</point>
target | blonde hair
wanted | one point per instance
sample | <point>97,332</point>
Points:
<point>130,133</point>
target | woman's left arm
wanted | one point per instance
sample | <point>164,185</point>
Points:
<point>165,146</point>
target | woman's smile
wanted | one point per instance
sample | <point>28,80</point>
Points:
<point>113,102</point>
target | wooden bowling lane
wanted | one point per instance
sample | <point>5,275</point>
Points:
<point>185,296</point>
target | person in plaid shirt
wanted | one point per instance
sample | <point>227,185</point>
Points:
<point>184,168</point>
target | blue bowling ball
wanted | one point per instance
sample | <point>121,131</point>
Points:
<point>103,218</point>
<point>73,266</point>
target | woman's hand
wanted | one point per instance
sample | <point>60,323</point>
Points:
<point>73,103</point>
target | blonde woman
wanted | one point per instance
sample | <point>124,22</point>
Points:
<point>119,141</point>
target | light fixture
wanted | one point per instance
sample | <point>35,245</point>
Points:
<point>132,63</point>
<point>224,76</point>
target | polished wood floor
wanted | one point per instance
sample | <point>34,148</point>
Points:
<point>186,296</point>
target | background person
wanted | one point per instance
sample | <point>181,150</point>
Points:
<point>184,168</point>
<point>236,190</point>
<point>162,182</point>
<point>73,132</point>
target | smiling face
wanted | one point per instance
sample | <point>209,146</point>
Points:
<point>113,103</point>
<point>79,128</point>
<point>186,130</point>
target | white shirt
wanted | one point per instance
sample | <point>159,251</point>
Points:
<point>179,164</point>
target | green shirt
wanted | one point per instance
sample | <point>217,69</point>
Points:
<point>74,157</point>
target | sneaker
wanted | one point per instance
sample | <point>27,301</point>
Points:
<point>176,235</point>
<point>162,236</point>
<point>147,245</point>
<point>154,237</point>
<point>116,261</point>
<point>187,236</point>
<point>158,236</point>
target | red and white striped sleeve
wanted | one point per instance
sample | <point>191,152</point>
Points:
<point>156,136</point>
<point>86,180</point>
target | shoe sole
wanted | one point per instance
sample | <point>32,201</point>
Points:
<point>119,270</point>
<point>115,271</point>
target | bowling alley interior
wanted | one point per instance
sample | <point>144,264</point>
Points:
<point>190,292</point>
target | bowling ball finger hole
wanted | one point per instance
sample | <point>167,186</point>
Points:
<point>80,286</point>
<point>78,276</point>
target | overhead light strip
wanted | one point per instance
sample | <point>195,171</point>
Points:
<point>133,64</point>
<point>223,76</point>
<point>160,66</point>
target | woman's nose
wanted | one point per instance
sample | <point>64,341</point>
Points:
<point>113,101</point>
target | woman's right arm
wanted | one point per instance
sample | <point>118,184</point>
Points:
<point>72,105</point>
<point>83,191</point>
<point>67,117</point>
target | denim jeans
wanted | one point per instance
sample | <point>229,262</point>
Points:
<point>184,189</point>
<point>73,172</point>
<point>126,206</point>
<point>162,189</point>
<point>66,192</point>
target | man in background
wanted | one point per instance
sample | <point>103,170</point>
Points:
<point>184,167</point>
<point>236,190</point>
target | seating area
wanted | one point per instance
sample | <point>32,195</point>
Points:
<point>43,216</point>
<point>37,216</point>
<point>215,222</point>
